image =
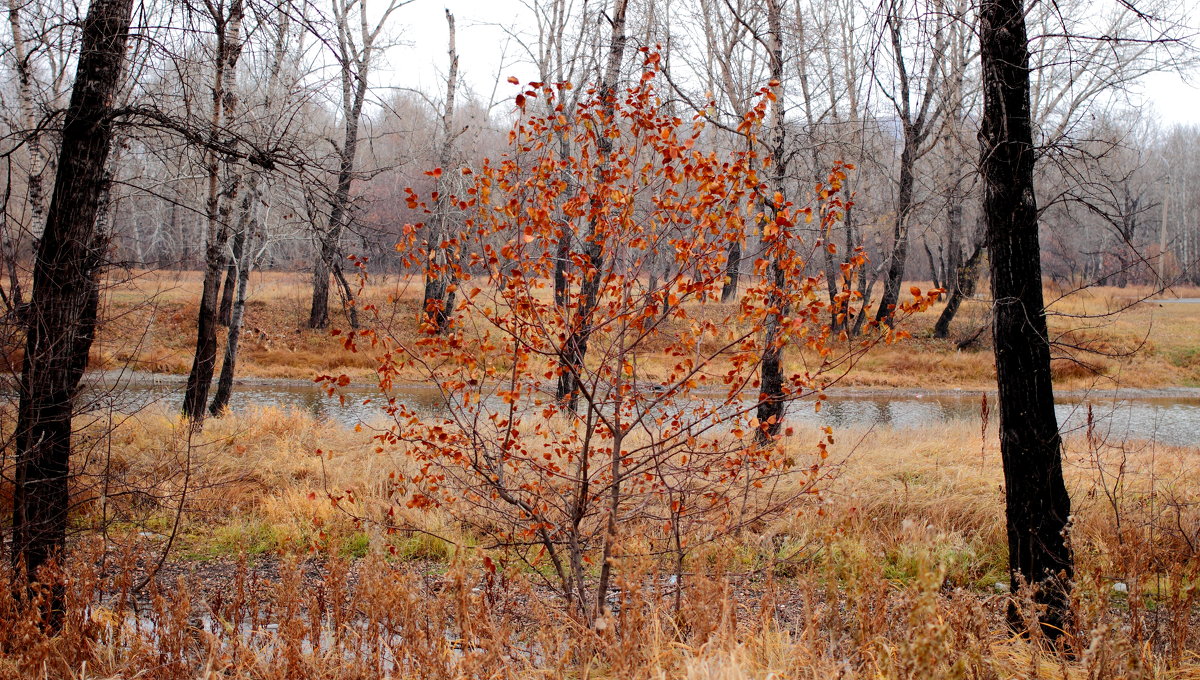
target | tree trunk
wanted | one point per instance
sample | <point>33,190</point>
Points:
<point>62,315</point>
<point>962,287</point>
<point>220,205</point>
<point>833,286</point>
<point>1036,500</point>
<point>330,251</point>
<point>355,70</point>
<point>916,121</point>
<point>562,259</point>
<point>229,363</point>
<point>10,249</point>
<point>733,268</point>
<point>438,270</point>
<point>231,273</point>
<point>562,250</point>
<point>348,295</point>
<point>248,243</point>
<point>575,348</point>
<point>204,363</point>
<point>771,398</point>
<point>934,273</point>
<point>898,259</point>
<point>35,173</point>
<point>243,263</point>
<point>318,313</point>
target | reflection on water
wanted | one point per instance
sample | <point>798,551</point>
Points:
<point>1168,419</point>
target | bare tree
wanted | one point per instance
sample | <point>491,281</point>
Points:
<point>36,161</point>
<point>963,249</point>
<point>354,51</point>
<point>574,350</point>
<point>732,67</point>
<point>250,239</point>
<point>563,55</point>
<point>914,106</point>
<point>41,44</point>
<point>224,184</point>
<point>439,292</point>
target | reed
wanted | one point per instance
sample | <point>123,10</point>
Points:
<point>890,572</point>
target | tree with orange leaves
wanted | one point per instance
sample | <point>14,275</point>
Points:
<point>661,438</point>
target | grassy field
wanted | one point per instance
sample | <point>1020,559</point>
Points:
<point>152,321</point>
<point>892,571</point>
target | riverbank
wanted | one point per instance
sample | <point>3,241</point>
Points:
<point>1167,415</point>
<point>150,327</point>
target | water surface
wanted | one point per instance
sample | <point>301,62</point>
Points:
<point>1167,416</point>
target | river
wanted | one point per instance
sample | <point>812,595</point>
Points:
<point>1167,416</point>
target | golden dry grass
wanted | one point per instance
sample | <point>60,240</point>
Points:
<point>278,467</point>
<point>151,327</point>
<point>889,574</point>
<point>938,487</point>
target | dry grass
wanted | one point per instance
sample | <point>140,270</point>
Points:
<point>890,574</point>
<point>152,328</point>
<point>1104,337</point>
<point>941,484</point>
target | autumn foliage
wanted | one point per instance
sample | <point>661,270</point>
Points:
<point>657,447</point>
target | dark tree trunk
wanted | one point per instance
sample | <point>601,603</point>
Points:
<point>574,351</point>
<point>439,274</point>
<point>562,259</point>
<point>733,268</point>
<point>15,300</point>
<point>917,122</point>
<point>231,274</point>
<point>242,265</point>
<point>329,256</point>
<point>318,313</point>
<point>835,281</point>
<point>954,257</point>
<point>220,207</point>
<point>63,306</point>
<point>205,361</point>
<point>348,296</point>
<point>962,287</point>
<point>1036,499</point>
<point>934,272</point>
<point>229,363</point>
<point>771,398</point>
<point>562,251</point>
<point>354,95</point>
<point>900,228</point>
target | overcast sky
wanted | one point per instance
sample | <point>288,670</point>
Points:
<point>486,51</point>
